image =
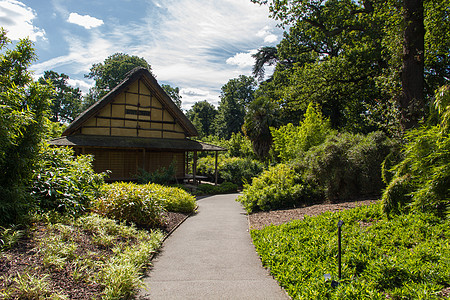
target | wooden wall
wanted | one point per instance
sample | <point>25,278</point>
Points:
<point>124,164</point>
<point>135,112</point>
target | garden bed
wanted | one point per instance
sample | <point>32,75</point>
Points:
<point>71,279</point>
<point>262,219</point>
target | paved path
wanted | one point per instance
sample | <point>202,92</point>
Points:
<point>211,256</point>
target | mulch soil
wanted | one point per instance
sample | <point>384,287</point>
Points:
<point>260,220</point>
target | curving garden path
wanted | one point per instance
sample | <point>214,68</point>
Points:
<point>211,256</point>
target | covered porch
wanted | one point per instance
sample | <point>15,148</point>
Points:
<point>125,156</point>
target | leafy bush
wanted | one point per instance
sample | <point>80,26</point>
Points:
<point>424,174</point>
<point>407,257</point>
<point>240,170</point>
<point>161,176</point>
<point>290,142</point>
<point>173,199</point>
<point>277,187</point>
<point>344,166</point>
<point>421,181</point>
<point>63,182</point>
<point>347,165</point>
<point>143,205</point>
<point>206,166</point>
<point>131,203</point>
<point>23,116</point>
<point>209,189</point>
<point>232,169</point>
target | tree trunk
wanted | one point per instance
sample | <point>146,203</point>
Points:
<point>412,98</point>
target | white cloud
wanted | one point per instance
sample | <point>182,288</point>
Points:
<point>81,84</point>
<point>17,19</point>
<point>270,39</point>
<point>242,59</point>
<point>193,92</point>
<point>190,96</point>
<point>82,55</point>
<point>197,45</point>
<point>85,21</point>
<point>267,34</point>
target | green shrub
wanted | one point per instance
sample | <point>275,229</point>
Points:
<point>277,187</point>
<point>143,205</point>
<point>290,142</point>
<point>131,203</point>
<point>206,166</point>
<point>427,167</point>
<point>161,176</point>
<point>223,188</point>
<point>240,170</point>
<point>173,199</point>
<point>65,183</point>
<point>347,165</point>
<point>406,257</point>
<point>24,105</point>
<point>421,181</point>
<point>232,169</point>
<point>397,195</point>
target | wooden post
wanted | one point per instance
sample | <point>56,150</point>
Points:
<point>143,159</point>
<point>186,169</point>
<point>194,168</point>
<point>215,170</point>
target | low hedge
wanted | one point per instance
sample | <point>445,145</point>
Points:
<point>345,166</point>
<point>209,189</point>
<point>143,205</point>
<point>277,187</point>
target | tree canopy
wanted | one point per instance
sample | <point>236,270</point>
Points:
<point>350,57</point>
<point>202,115</point>
<point>67,101</point>
<point>174,94</point>
<point>236,95</point>
<point>111,72</point>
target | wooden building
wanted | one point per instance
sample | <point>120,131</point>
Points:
<point>135,126</point>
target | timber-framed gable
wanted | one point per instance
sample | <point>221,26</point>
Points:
<point>135,126</point>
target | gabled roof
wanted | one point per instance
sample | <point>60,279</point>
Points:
<point>152,84</point>
<point>81,140</point>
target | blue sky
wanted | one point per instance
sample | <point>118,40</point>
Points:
<point>196,45</point>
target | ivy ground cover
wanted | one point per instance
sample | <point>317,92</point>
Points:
<point>406,257</point>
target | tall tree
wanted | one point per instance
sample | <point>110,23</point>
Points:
<point>67,100</point>
<point>174,94</point>
<point>411,100</point>
<point>355,58</point>
<point>23,116</point>
<point>236,95</point>
<point>330,55</point>
<point>257,122</point>
<point>202,115</point>
<point>264,56</point>
<point>111,72</point>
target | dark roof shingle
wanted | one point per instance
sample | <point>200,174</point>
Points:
<point>133,142</point>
